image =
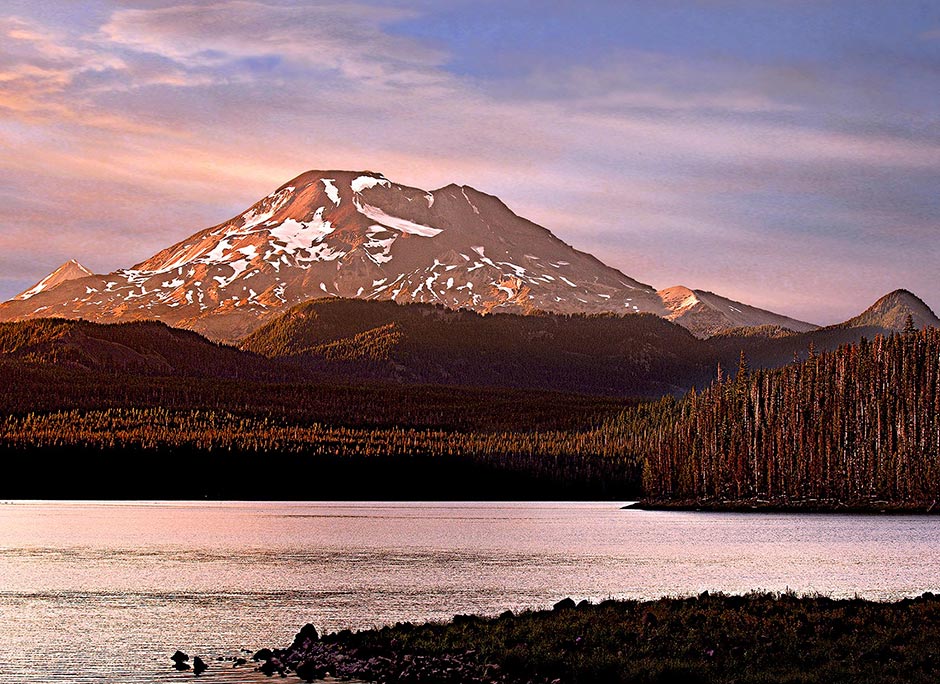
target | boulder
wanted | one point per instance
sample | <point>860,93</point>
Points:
<point>306,636</point>
<point>179,657</point>
<point>271,666</point>
<point>199,666</point>
<point>263,654</point>
<point>565,604</point>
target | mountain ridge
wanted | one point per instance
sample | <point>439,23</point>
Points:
<point>356,234</point>
<point>705,313</point>
<point>357,341</point>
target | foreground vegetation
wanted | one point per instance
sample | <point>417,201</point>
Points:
<point>757,638</point>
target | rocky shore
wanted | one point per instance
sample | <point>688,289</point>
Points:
<point>345,656</point>
<point>721,639</point>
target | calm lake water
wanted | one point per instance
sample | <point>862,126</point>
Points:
<point>105,592</point>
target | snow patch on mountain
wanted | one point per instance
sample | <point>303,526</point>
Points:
<point>400,224</point>
<point>253,217</point>
<point>292,235</point>
<point>329,186</point>
<point>365,182</point>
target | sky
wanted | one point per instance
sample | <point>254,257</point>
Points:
<point>784,153</point>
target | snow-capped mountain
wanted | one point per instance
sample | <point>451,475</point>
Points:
<point>70,270</point>
<point>348,234</point>
<point>359,235</point>
<point>705,314</point>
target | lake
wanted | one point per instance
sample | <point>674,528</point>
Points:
<point>105,592</point>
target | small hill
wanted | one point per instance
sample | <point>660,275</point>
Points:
<point>770,347</point>
<point>139,348</point>
<point>891,312</point>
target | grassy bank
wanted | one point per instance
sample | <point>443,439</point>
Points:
<point>758,638</point>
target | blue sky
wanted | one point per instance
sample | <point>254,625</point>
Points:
<point>784,153</point>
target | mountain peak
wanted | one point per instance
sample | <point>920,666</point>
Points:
<point>891,312</point>
<point>70,270</point>
<point>705,314</point>
<point>678,298</point>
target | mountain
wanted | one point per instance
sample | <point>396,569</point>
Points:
<point>772,346</point>
<point>70,270</point>
<point>705,313</point>
<point>329,234</point>
<point>349,234</point>
<point>349,342</point>
<point>891,312</point>
<point>600,354</point>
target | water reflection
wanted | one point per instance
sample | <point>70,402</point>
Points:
<point>105,592</point>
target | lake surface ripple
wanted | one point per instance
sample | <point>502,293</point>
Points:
<point>105,592</point>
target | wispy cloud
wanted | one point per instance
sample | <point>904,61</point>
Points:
<point>346,39</point>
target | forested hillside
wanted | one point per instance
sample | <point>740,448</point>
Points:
<point>857,426</point>
<point>140,348</point>
<point>603,354</point>
<point>852,427</point>
<point>84,402</point>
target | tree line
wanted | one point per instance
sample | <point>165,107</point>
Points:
<point>855,425</point>
<point>96,446</point>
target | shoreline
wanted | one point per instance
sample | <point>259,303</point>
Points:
<point>725,639</point>
<point>812,506</point>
